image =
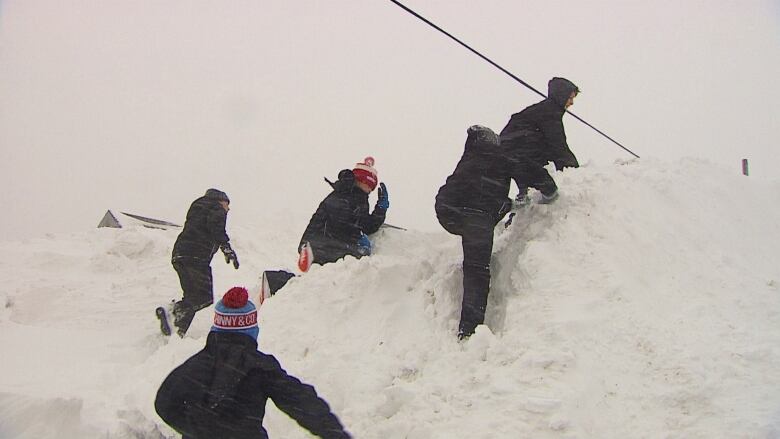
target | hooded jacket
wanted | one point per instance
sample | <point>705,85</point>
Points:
<point>221,393</point>
<point>204,229</point>
<point>340,218</point>
<point>480,180</point>
<point>536,134</point>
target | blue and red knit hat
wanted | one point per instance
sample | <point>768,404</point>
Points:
<point>236,313</point>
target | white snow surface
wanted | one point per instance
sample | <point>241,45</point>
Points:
<point>643,303</point>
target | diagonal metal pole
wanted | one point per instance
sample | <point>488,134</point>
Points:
<point>428,22</point>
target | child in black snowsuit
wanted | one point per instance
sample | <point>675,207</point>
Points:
<point>203,233</point>
<point>535,136</point>
<point>341,224</point>
<point>470,204</point>
<point>221,391</point>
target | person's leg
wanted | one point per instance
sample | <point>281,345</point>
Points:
<point>326,250</point>
<point>197,286</point>
<point>450,218</point>
<point>538,178</point>
<point>477,250</point>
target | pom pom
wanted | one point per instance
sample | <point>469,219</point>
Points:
<point>236,297</point>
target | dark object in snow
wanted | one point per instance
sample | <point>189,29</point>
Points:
<point>151,221</point>
<point>162,315</point>
<point>109,220</point>
<point>272,281</point>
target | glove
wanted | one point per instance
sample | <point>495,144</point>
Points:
<point>567,160</point>
<point>230,255</point>
<point>383,201</point>
<point>560,166</point>
<point>364,245</point>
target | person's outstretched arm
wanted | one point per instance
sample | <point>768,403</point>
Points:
<point>300,401</point>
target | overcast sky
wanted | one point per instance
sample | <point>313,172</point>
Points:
<point>141,106</point>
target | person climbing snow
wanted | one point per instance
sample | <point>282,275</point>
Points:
<point>535,136</point>
<point>470,204</point>
<point>221,391</point>
<point>203,233</point>
<point>341,224</point>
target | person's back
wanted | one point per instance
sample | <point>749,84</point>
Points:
<point>204,228</point>
<point>536,134</point>
<point>221,391</point>
<point>342,221</point>
<point>338,215</point>
<point>480,180</point>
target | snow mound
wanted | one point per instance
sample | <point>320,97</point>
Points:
<point>643,303</point>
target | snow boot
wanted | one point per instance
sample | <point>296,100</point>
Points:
<point>162,315</point>
<point>547,199</point>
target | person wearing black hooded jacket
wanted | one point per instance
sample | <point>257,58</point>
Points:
<point>535,136</point>
<point>470,204</point>
<point>203,233</point>
<point>341,223</point>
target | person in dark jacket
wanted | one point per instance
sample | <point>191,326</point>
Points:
<point>535,136</point>
<point>341,224</point>
<point>221,391</point>
<point>203,233</point>
<point>470,204</point>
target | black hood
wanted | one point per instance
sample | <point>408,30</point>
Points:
<point>216,194</point>
<point>559,90</point>
<point>481,137</point>
<point>345,182</point>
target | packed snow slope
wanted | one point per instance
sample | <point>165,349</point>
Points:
<point>644,303</point>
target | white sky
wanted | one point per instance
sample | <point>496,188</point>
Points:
<point>141,106</point>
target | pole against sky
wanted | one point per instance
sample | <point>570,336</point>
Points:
<point>144,105</point>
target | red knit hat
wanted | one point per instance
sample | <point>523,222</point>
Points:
<point>365,173</point>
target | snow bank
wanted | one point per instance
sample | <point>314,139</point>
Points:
<point>643,303</point>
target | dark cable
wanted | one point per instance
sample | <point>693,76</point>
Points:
<point>402,6</point>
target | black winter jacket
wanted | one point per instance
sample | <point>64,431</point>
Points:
<point>536,136</point>
<point>204,229</point>
<point>221,392</point>
<point>480,180</point>
<point>343,215</point>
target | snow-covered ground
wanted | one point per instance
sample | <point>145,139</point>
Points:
<point>644,303</point>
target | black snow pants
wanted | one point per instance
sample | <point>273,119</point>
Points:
<point>326,249</point>
<point>198,292</point>
<point>534,175</point>
<point>475,228</point>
